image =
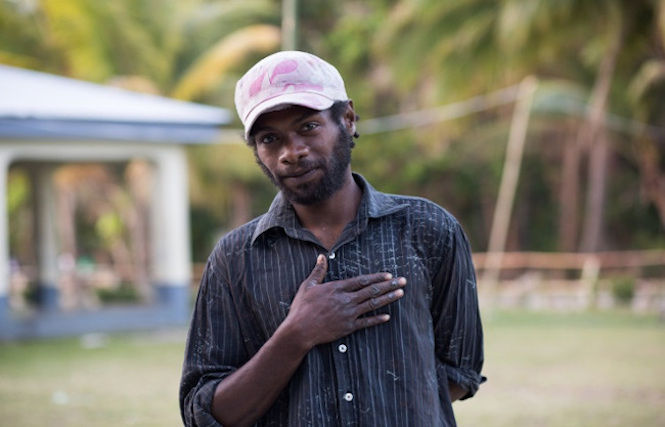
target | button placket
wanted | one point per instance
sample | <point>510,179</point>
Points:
<point>341,352</point>
<point>346,387</point>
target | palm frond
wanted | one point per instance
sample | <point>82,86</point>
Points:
<point>209,69</point>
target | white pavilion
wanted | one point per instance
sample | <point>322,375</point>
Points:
<point>48,120</point>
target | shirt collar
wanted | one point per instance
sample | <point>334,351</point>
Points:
<point>374,204</point>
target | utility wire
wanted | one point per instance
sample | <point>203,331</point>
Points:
<point>439,114</point>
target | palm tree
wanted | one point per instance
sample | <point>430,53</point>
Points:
<point>646,90</point>
<point>462,46</point>
<point>616,39</point>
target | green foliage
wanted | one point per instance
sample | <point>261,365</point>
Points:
<point>19,210</point>
<point>396,56</point>
<point>109,226</point>
<point>18,191</point>
<point>123,294</point>
<point>205,230</point>
<point>623,289</point>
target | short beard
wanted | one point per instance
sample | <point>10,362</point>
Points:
<point>333,177</point>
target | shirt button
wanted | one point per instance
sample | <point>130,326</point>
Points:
<point>342,348</point>
<point>348,397</point>
<point>331,255</point>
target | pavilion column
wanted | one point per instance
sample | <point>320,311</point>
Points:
<point>46,243</point>
<point>170,239</point>
<point>4,242</point>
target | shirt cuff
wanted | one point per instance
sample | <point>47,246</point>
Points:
<point>468,379</point>
<point>202,405</point>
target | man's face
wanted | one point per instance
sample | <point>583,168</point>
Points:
<point>304,152</point>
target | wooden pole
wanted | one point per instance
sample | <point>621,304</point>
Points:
<point>509,181</point>
<point>289,24</point>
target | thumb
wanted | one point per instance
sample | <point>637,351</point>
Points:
<point>318,272</point>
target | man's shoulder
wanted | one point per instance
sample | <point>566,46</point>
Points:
<point>420,207</point>
<point>239,237</point>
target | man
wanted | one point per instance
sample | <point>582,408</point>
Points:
<point>341,306</point>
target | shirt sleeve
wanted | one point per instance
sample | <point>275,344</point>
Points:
<point>214,349</point>
<point>457,326</point>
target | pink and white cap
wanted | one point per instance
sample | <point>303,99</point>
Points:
<point>287,78</point>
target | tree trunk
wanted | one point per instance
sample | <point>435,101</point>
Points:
<point>653,179</point>
<point>139,176</point>
<point>592,238</point>
<point>69,282</point>
<point>569,196</point>
<point>592,136</point>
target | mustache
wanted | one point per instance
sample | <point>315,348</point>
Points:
<point>301,168</point>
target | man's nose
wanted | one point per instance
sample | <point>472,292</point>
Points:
<point>294,149</point>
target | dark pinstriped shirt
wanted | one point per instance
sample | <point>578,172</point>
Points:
<point>394,374</point>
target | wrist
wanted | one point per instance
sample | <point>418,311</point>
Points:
<point>291,335</point>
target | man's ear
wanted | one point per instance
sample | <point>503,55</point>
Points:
<point>350,118</point>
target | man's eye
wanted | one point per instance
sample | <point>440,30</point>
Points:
<point>310,126</point>
<point>266,139</point>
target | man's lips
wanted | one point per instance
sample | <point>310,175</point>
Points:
<point>300,174</point>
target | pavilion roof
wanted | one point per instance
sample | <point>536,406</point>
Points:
<point>36,105</point>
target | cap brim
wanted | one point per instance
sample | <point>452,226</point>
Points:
<point>315,101</point>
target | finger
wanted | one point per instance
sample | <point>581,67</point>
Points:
<point>361,282</point>
<point>377,289</point>
<point>380,301</point>
<point>318,272</point>
<point>369,321</point>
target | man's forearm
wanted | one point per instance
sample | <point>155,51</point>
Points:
<point>243,397</point>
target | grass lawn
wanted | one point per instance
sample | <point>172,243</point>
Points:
<point>573,369</point>
<point>544,369</point>
<point>93,381</point>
